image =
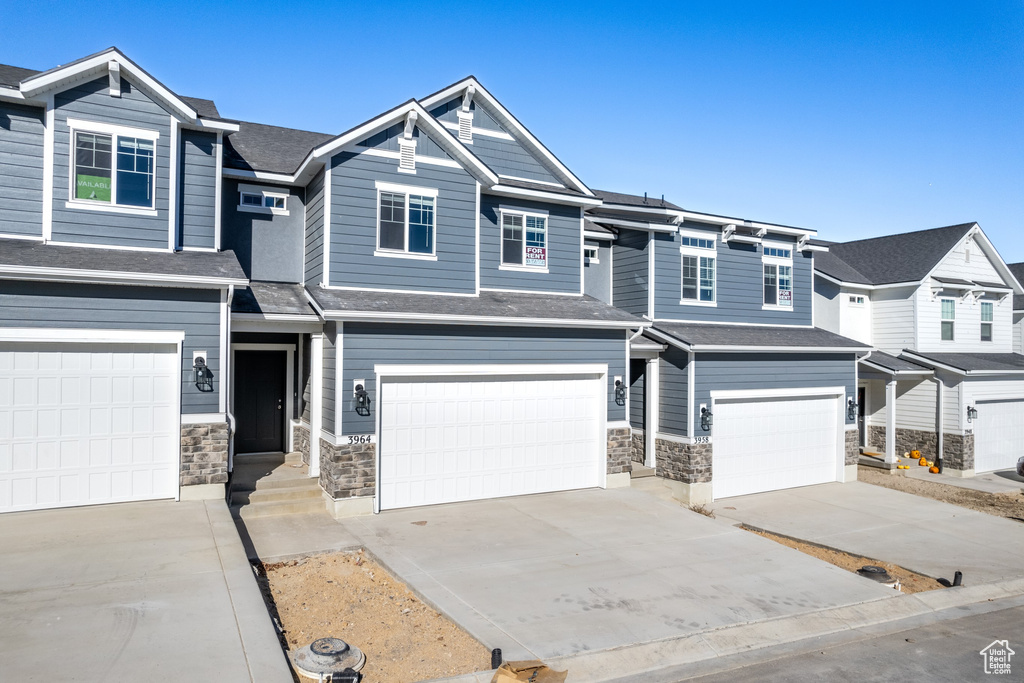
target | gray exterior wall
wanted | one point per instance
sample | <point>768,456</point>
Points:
<point>637,369</point>
<point>269,247</point>
<point>630,273</point>
<point>482,117</point>
<point>739,284</point>
<point>331,344</point>
<point>197,214</point>
<point>21,170</point>
<point>673,373</point>
<point>367,344</point>
<point>91,102</point>
<point>564,255</point>
<point>388,140</point>
<point>194,311</point>
<point>597,281</point>
<point>354,227</point>
<point>314,241</point>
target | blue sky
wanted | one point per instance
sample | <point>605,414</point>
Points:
<point>857,119</point>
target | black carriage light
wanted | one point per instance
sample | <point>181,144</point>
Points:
<point>706,418</point>
<point>620,392</point>
<point>851,409</point>
<point>201,374</point>
<point>972,413</point>
<point>361,399</point>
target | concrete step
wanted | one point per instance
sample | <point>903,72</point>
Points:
<point>281,507</point>
<point>640,471</point>
<point>261,496</point>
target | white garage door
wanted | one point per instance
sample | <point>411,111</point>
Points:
<point>83,424</point>
<point>457,439</point>
<point>766,445</point>
<point>998,435</point>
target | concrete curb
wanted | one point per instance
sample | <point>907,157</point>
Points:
<point>648,658</point>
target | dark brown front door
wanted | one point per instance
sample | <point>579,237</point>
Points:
<point>259,401</point>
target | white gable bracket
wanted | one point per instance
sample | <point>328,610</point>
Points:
<point>728,231</point>
<point>467,97</point>
<point>800,243</point>
<point>114,78</point>
<point>410,124</point>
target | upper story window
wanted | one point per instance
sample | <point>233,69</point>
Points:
<point>256,199</point>
<point>113,166</point>
<point>591,255</point>
<point>986,321</point>
<point>405,221</point>
<point>856,300</point>
<point>698,256</point>
<point>777,268</point>
<point>948,318</point>
<point>524,240</point>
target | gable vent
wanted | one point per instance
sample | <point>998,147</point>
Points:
<point>407,156</point>
<point>466,126</point>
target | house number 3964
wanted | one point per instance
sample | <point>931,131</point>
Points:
<point>360,438</point>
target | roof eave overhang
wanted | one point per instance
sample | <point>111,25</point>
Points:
<point>714,219</point>
<point>599,235</point>
<point>427,318</point>
<point>634,225</point>
<point>924,372</point>
<point>117,277</point>
<point>861,285</point>
<point>551,197</point>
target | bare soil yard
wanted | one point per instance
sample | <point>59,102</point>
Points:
<point>1010,505</point>
<point>349,596</point>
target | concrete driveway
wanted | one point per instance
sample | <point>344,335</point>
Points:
<point>922,534</point>
<point>138,591</point>
<point>558,574</point>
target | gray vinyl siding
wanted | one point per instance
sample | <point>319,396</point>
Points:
<point>739,284</point>
<point>331,344</point>
<point>673,385</point>
<point>198,189</point>
<point>482,117</point>
<point>269,247</point>
<point>564,255</point>
<point>354,227</point>
<point>725,371</point>
<point>91,102</point>
<point>508,157</point>
<point>21,170</point>
<point>597,276</point>
<point>314,242</point>
<point>630,273</point>
<point>367,344</point>
<point>636,393</point>
<point>388,140</point>
<point>194,311</point>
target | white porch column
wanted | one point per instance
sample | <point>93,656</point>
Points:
<point>651,408</point>
<point>316,400</point>
<point>890,421</point>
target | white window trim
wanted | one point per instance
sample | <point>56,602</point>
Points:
<point>523,268</point>
<point>983,322</point>
<point>707,252</point>
<point>264,192</point>
<point>779,261</point>
<point>595,259</point>
<point>852,300</point>
<point>947,320</point>
<point>406,190</point>
<point>76,126</point>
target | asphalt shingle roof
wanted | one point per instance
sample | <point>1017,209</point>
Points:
<point>907,257</point>
<point>695,334</point>
<point>488,304</point>
<point>270,298</point>
<point>634,200</point>
<point>895,364</point>
<point>975,362</point>
<point>197,264</point>
<point>259,147</point>
<point>542,187</point>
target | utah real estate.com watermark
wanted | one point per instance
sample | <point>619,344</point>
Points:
<point>997,657</point>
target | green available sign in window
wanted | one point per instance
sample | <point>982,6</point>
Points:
<point>96,188</point>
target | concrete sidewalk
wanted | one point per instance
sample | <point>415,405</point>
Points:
<point>138,591</point>
<point>918,533</point>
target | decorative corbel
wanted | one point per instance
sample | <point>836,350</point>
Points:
<point>410,124</point>
<point>114,78</point>
<point>800,243</point>
<point>467,97</point>
<point>727,231</point>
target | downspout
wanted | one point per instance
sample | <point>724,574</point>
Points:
<point>231,385</point>
<point>938,420</point>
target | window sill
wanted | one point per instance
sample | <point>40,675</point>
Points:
<point>693,302</point>
<point>405,254</point>
<point>767,307</point>
<point>522,269</point>
<point>264,210</point>
<point>110,208</point>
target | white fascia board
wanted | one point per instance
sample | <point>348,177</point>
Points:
<point>895,373</point>
<point>857,285</point>
<point>727,220</point>
<point>240,174</point>
<point>599,236</point>
<point>85,335</point>
<point>277,317</point>
<point>739,394</point>
<point>705,348</point>
<point>641,209</point>
<point>379,316</point>
<point>508,121</point>
<point>78,275</point>
<point>424,120</point>
<point>634,225</point>
<point>55,78</point>
<point>550,197</point>
<point>212,125</point>
<point>668,339</point>
<point>921,359</point>
<point>746,239</point>
<point>385,370</point>
<point>814,247</point>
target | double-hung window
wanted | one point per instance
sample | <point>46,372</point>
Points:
<point>948,318</point>
<point>986,321</point>
<point>406,221</point>
<point>524,240</point>
<point>777,269</point>
<point>112,166</point>
<point>698,254</point>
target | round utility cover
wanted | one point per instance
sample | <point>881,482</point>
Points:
<point>876,573</point>
<point>328,656</point>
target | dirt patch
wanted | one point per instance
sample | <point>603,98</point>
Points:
<point>1010,504</point>
<point>349,596</point>
<point>912,582</point>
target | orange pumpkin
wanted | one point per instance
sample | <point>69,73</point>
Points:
<point>915,454</point>
<point>933,469</point>
<point>922,462</point>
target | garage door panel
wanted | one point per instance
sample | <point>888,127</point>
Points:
<point>998,435</point>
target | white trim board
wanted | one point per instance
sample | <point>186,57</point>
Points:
<point>490,369</point>
<point>742,394</point>
<point>90,336</point>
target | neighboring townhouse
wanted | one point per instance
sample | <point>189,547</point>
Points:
<point>403,303</point>
<point>734,389</point>
<point>1018,309</point>
<point>938,307</point>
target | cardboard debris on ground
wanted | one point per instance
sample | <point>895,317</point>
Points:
<point>532,671</point>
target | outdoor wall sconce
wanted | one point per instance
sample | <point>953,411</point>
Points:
<point>706,418</point>
<point>620,392</point>
<point>972,413</point>
<point>201,374</point>
<point>851,409</point>
<point>361,399</point>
